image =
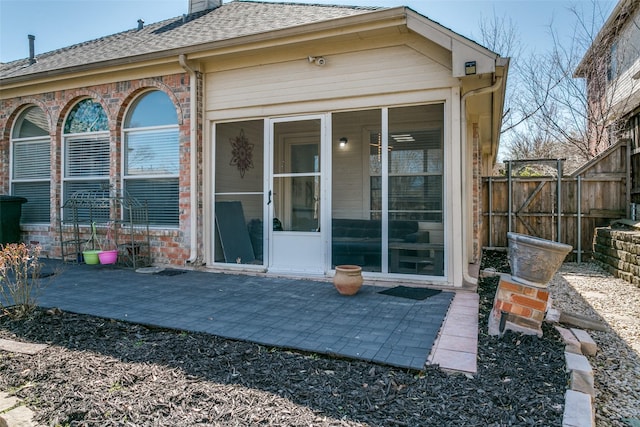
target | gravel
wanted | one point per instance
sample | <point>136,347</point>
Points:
<point>101,372</point>
<point>587,290</point>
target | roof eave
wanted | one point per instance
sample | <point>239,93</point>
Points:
<point>140,60</point>
<point>446,32</point>
<point>607,27</point>
<point>463,50</point>
<point>366,21</point>
<point>384,18</point>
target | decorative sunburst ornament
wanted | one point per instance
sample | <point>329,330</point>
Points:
<point>241,153</point>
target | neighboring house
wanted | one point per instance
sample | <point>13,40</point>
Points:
<point>360,133</point>
<point>611,67</point>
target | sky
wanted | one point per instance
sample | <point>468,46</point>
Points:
<point>61,23</point>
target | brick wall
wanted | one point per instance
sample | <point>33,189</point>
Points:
<point>171,246</point>
<point>524,307</point>
<point>617,250</point>
<point>477,190</point>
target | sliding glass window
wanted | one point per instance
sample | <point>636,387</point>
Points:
<point>387,192</point>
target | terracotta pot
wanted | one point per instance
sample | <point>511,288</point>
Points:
<point>348,279</point>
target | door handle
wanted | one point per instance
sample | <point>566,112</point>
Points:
<point>269,202</point>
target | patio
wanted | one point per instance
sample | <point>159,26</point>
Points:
<point>304,315</point>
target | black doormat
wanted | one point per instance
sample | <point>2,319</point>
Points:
<point>170,272</point>
<point>44,274</point>
<point>412,293</point>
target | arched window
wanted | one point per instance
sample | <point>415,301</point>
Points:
<point>31,165</point>
<point>86,151</point>
<point>86,116</point>
<point>151,156</point>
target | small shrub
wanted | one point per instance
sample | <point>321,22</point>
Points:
<point>19,278</point>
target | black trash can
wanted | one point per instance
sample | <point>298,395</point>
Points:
<point>10,212</point>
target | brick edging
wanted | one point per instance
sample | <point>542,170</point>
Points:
<point>579,410</point>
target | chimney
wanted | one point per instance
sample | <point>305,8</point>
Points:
<point>32,49</point>
<point>140,24</point>
<point>201,5</point>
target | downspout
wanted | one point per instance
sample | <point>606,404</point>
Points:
<point>463,113</point>
<point>193,137</point>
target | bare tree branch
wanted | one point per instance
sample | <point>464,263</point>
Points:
<point>551,111</point>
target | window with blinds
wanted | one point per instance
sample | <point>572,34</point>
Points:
<point>86,169</point>
<point>152,157</point>
<point>415,175</point>
<point>161,196</point>
<point>152,152</point>
<point>31,160</point>
<point>31,165</point>
<point>86,156</point>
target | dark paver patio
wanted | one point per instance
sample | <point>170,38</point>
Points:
<point>299,314</point>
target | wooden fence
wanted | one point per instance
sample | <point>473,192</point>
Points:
<point>566,210</point>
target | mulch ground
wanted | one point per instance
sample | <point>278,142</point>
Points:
<point>101,372</point>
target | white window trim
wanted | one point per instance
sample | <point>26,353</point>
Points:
<point>13,180</point>
<point>123,164</point>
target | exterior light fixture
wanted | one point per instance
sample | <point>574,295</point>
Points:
<point>470,68</point>
<point>343,142</point>
<point>318,60</point>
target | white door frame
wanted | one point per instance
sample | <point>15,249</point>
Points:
<point>297,252</point>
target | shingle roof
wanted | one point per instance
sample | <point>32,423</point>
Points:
<point>231,20</point>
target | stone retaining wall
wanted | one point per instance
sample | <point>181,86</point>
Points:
<point>617,249</point>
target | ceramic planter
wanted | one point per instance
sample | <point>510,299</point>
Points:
<point>348,279</point>
<point>533,260</point>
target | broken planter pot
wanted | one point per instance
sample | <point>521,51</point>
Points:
<point>533,260</point>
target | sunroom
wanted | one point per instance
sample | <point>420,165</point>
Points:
<point>334,191</point>
<point>367,154</point>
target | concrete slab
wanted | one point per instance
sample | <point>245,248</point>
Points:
<point>7,402</point>
<point>578,410</point>
<point>581,373</point>
<point>587,344</point>
<point>456,348</point>
<point>577,362</point>
<point>572,345</point>
<point>456,361</point>
<point>20,416</point>
<point>21,347</point>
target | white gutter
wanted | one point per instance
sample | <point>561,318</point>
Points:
<point>463,113</point>
<point>193,153</point>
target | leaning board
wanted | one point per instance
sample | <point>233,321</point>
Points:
<point>233,233</point>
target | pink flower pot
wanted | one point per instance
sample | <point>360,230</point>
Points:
<point>108,257</point>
